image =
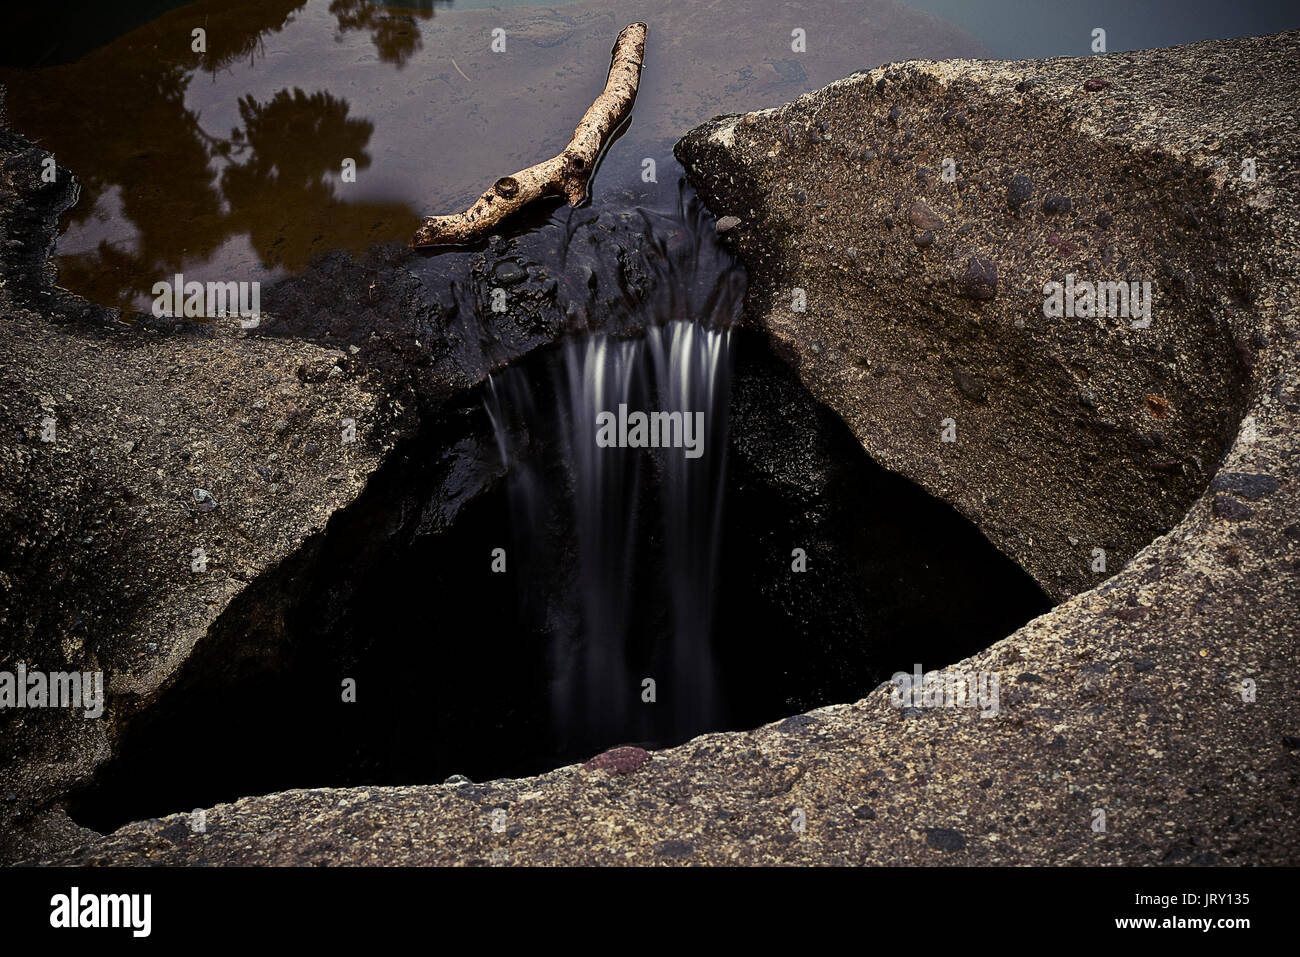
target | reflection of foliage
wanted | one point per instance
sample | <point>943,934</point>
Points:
<point>396,36</point>
<point>278,172</point>
<point>295,145</point>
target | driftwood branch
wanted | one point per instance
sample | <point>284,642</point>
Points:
<point>566,174</point>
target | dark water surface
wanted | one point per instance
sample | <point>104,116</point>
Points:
<point>227,165</point>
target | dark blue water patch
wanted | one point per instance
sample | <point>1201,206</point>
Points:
<point>1016,30</point>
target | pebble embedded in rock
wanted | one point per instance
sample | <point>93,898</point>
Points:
<point>1228,508</point>
<point>968,385</point>
<point>1249,485</point>
<point>675,849</point>
<point>623,760</point>
<point>509,273</point>
<point>923,217</point>
<point>796,723</point>
<point>945,838</point>
<point>979,280</point>
<point>1019,191</point>
<point>1055,205</point>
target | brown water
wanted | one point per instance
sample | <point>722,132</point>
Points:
<point>226,165</point>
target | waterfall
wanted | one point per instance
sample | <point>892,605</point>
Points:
<point>644,520</point>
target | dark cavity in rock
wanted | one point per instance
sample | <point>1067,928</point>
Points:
<point>460,670</point>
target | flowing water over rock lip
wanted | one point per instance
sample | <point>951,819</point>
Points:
<point>469,685</point>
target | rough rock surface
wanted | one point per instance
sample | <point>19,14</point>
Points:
<point>1129,698</point>
<point>920,209</point>
<point>148,475</point>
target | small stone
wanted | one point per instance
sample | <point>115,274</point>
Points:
<point>1088,398</point>
<point>1104,219</point>
<point>1212,79</point>
<point>456,780</point>
<point>864,813</point>
<point>1093,84</point>
<point>509,273</point>
<point>968,385</point>
<point>1228,508</point>
<point>923,217</point>
<point>674,849</point>
<point>1054,205</point>
<point>1141,665</point>
<point>924,240</point>
<point>203,500</point>
<point>623,760</point>
<point>1133,614</point>
<point>1158,405</point>
<point>979,280</point>
<point>1019,191</point>
<point>727,223</point>
<point>796,723</point>
<point>800,196</point>
<point>1249,485</point>
<point>945,838</point>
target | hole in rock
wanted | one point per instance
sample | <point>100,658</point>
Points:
<point>621,565</point>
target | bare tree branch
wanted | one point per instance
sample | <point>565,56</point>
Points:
<point>566,174</point>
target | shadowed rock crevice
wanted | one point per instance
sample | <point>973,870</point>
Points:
<point>451,661</point>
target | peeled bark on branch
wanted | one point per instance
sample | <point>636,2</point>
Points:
<point>566,174</point>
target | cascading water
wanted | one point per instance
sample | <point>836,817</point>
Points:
<point>656,393</point>
<point>622,563</point>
